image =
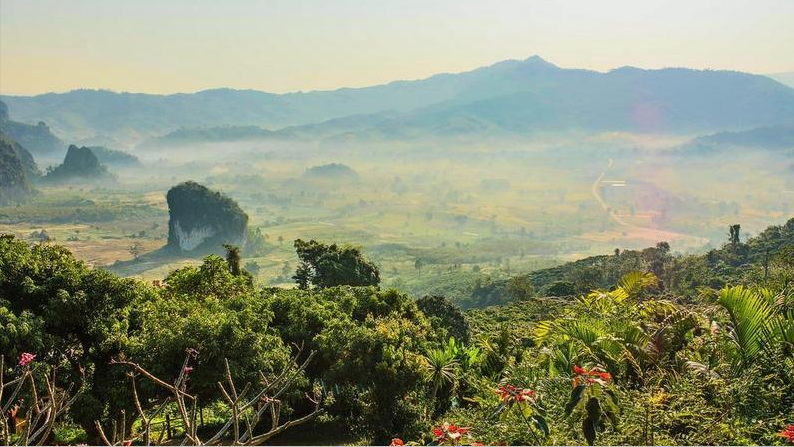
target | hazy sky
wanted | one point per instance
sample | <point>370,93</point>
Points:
<point>280,46</point>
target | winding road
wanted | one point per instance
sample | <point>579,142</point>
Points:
<point>644,232</point>
<point>601,201</point>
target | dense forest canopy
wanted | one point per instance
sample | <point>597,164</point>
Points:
<point>644,347</point>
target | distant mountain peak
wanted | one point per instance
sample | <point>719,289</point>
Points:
<point>539,61</point>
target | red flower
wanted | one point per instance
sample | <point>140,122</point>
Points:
<point>26,358</point>
<point>127,442</point>
<point>397,441</point>
<point>788,432</point>
<point>602,376</point>
<point>450,431</point>
<point>509,392</point>
<point>605,376</point>
<point>525,395</point>
<point>188,369</point>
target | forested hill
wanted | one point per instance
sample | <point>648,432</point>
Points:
<point>510,96</point>
<point>36,138</point>
<point>735,262</point>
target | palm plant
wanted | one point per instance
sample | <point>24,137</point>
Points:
<point>614,327</point>
<point>756,323</point>
<point>441,366</point>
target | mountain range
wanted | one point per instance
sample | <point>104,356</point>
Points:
<point>510,97</point>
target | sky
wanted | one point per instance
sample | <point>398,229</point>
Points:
<point>299,45</point>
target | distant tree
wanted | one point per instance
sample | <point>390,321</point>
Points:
<point>285,269</point>
<point>519,288</point>
<point>233,259</point>
<point>324,266</point>
<point>733,234</point>
<point>280,240</point>
<point>136,249</point>
<point>418,264</point>
<point>560,288</point>
<point>253,268</point>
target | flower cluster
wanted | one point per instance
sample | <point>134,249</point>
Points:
<point>590,376</point>
<point>26,358</point>
<point>788,432</point>
<point>397,441</point>
<point>449,432</point>
<point>509,393</point>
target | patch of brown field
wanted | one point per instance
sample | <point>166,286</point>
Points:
<point>644,236</point>
<point>104,252</point>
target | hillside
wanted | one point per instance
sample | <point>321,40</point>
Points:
<point>38,139</point>
<point>510,96</point>
<point>115,158</point>
<point>188,136</point>
<point>731,264</point>
<point>772,137</point>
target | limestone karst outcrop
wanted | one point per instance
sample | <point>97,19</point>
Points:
<point>203,220</point>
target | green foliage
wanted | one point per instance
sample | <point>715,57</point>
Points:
<point>632,362</point>
<point>324,266</point>
<point>757,324</point>
<point>369,344</point>
<point>215,312</point>
<point>443,314</point>
<point>73,316</point>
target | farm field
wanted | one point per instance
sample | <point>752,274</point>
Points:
<point>427,224</point>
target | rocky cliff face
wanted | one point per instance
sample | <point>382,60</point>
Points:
<point>28,163</point>
<point>202,220</point>
<point>14,185</point>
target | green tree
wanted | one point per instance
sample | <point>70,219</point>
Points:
<point>324,266</point>
<point>217,313</point>
<point>444,314</point>
<point>83,319</point>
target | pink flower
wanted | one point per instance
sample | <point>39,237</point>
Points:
<point>188,369</point>
<point>397,441</point>
<point>26,358</point>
